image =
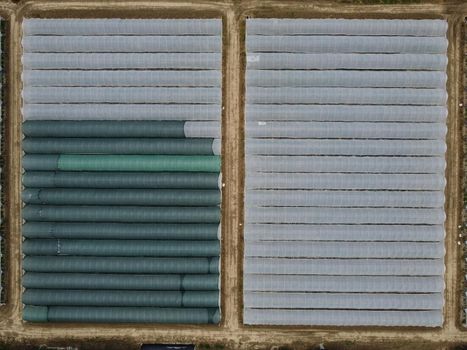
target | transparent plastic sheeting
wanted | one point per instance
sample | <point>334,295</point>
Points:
<point>344,266</point>
<point>370,250</point>
<point>344,189</point>
<point>346,147</point>
<point>332,215</point>
<point>129,61</point>
<point>341,317</point>
<point>356,78</point>
<point>349,181</point>
<point>429,62</point>
<point>349,164</point>
<point>354,130</point>
<point>353,284</point>
<point>346,44</point>
<point>121,95</point>
<point>120,111</point>
<point>341,300</point>
<point>78,27</point>
<point>125,43</point>
<point>358,96</point>
<point>386,233</point>
<point>384,199</point>
<point>345,113</point>
<point>122,159</point>
<point>376,27</point>
<point>258,26</point>
<point>126,78</point>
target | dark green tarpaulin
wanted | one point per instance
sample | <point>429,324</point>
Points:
<point>120,314</point>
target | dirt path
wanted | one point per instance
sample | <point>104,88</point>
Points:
<point>231,334</point>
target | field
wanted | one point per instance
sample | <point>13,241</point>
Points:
<point>231,333</point>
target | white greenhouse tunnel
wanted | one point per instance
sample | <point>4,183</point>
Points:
<point>345,124</point>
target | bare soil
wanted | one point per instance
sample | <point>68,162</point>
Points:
<point>231,333</point>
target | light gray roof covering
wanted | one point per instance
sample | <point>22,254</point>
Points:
<point>344,190</point>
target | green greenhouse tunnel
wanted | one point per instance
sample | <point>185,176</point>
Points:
<point>122,223</point>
